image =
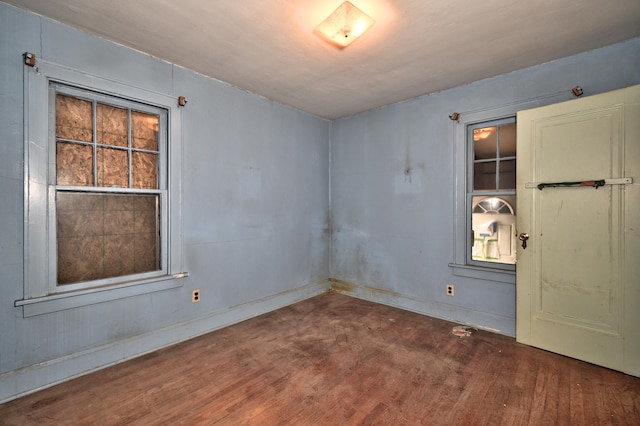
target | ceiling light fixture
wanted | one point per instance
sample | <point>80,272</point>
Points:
<point>344,25</point>
<point>480,134</point>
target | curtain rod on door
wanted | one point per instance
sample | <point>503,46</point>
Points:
<point>593,183</point>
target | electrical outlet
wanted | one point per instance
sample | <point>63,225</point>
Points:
<point>450,290</point>
<point>195,296</point>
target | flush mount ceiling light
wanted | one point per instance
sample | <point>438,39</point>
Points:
<point>344,25</point>
<point>480,134</point>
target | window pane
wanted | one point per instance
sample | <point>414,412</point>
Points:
<point>484,143</point>
<point>74,164</point>
<point>493,224</point>
<point>508,140</point>
<point>145,170</point>
<point>74,118</point>
<point>112,125</point>
<point>113,168</point>
<point>144,131</point>
<point>106,235</point>
<point>508,175</point>
<point>484,176</point>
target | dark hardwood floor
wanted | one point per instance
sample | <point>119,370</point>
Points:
<point>336,360</point>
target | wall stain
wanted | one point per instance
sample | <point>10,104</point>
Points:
<point>341,286</point>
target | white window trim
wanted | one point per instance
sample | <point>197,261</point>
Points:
<point>461,226</point>
<point>38,297</point>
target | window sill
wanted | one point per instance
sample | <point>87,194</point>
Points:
<point>481,273</point>
<point>73,299</point>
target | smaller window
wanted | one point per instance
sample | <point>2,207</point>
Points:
<point>491,195</point>
<point>496,165</point>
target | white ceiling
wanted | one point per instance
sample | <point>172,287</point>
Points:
<point>416,47</point>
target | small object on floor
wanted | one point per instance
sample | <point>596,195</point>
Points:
<point>462,331</point>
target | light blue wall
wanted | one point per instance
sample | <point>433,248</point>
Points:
<point>249,248</point>
<point>393,233</point>
<point>256,203</point>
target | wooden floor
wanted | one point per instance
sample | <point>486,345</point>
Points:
<point>336,360</point>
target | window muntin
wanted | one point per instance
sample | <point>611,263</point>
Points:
<point>491,193</point>
<point>109,189</point>
<point>494,157</point>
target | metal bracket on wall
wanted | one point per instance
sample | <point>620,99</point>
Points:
<point>29,59</point>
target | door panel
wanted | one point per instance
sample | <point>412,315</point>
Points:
<point>574,281</point>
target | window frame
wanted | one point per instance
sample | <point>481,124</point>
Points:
<point>56,88</point>
<point>41,294</point>
<point>472,192</point>
<point>461,228</point>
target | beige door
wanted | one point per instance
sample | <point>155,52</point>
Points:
<point>578,280</point>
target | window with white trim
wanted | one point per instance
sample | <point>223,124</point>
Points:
<point>103,190</point>
<point>480,190</point>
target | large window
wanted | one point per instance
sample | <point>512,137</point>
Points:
<point>102,173</point>
<point>110,187</point>
<point>491,193</point>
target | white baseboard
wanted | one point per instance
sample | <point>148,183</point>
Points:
<point>24,381</point>
<point>477,319</point>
